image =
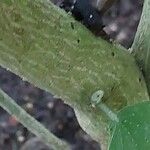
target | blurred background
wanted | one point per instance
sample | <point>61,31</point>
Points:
<point>121,22</point>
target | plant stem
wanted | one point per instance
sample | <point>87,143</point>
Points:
<point>30,123</point>
<point>96,101</point>
<point>141,44</point>
<point>108,112</point>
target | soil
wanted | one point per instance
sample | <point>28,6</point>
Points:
<point>121,24</point>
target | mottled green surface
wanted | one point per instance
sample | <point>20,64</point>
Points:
<point>48,48</point>
<point>133,130</point>
<point>30,123</point>
<point>141,43</point>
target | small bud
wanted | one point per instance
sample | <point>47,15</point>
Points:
<point>97,97</point>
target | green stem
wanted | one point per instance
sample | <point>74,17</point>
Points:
<point>96,101</point>
<point>30,123</point>
<point>141,44</point>
<point>108,112</point>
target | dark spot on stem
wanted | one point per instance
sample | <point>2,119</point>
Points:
<point>140,79</point>
<point>72,25</point>
<point>113,54</point>
<point>78,41</point>
<point>97,96</point>
<point>69,67</point>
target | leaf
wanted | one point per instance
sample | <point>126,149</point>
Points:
<point>133,130</point>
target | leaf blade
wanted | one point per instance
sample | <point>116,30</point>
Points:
<point>133,128</point>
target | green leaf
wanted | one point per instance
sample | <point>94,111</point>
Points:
<point>133,130</point>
